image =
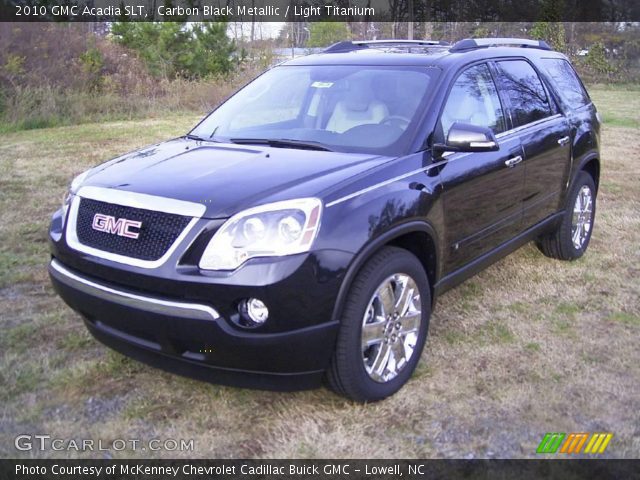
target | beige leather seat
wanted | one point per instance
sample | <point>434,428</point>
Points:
<point>466,107</point>
<point>358,108</point>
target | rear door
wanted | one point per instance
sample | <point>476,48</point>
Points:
<point>544,134</point>
<point>482,193</point>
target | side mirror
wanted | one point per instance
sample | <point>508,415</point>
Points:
<point>464,137</point>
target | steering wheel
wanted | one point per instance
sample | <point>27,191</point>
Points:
<point>397,121</point>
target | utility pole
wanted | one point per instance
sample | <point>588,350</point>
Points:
<point>410,33</point>
<point>292,41</point>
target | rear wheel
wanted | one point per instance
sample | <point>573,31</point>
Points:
<point>571,237</point>
<point>384,327</point>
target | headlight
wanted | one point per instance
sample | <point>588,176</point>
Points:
<point>272,230</point>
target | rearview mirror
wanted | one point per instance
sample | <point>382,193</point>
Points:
<point>465,137</point>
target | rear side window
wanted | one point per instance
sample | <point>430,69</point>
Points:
<point>568,84</point>
<point>527,96</point>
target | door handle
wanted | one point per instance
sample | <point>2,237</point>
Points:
<point>512,162</point>
<point>563,141</point>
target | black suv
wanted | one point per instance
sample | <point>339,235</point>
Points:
<point>303,230</point>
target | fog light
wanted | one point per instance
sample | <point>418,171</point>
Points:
<point>254,310</point>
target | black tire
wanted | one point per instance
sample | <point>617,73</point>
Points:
<point>347,375</point>
<point>559,243</point>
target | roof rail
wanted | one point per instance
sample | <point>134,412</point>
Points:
<point>408,43</point>
<point>345,46</point>
<point>348,46</point>
<point>473,43</point>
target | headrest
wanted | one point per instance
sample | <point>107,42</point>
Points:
<point>358,96</point>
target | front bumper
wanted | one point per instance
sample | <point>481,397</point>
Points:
<point>194,339</point>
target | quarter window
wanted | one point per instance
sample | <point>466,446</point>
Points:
<point>474,100</point>
<point>527,96</point>
<point>569,86</point>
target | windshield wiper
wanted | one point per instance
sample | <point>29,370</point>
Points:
<point>281,143</point>
<point>194,137</point>
<point>190,136</point>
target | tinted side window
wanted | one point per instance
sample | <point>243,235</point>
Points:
<point>474,99</point>
<point>566,79</point>
<point>527,96</point>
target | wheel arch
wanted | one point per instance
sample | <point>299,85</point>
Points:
<point>590,165</point>
<point>417,237</point>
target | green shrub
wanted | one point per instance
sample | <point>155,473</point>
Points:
<point>171,49</point>
<point>93,64</point>
<point>597,61</point>
<point>322,34</point>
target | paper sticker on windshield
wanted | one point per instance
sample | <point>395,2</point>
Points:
<point>322,84</point>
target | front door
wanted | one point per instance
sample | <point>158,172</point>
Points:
<point>482,192</point>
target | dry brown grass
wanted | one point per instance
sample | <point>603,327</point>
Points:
<point>47,80</point>
<point>43,106</point>
<point>528,346</point>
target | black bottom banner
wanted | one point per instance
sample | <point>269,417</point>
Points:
<point>319,469</point>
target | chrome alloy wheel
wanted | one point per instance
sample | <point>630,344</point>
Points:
<point>390,327</point>
<point>582,217</point>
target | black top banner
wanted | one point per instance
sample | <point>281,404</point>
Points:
<point>319,469</point>
<point>321,10</point>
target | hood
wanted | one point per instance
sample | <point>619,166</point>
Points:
<point>228,178</point>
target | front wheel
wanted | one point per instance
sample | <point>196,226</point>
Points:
<point>384,327</point>
<point>571,237</point>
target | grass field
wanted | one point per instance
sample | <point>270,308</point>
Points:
<point>556,351</point>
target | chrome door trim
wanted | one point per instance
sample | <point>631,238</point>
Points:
<point>500,136</point>
<point>528,125</point>
<point>128,299</point>
<point>445,155</point>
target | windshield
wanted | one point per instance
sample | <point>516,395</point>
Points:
<point>370,109</point>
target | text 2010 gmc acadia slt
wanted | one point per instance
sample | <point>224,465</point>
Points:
<point>303,229</point>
